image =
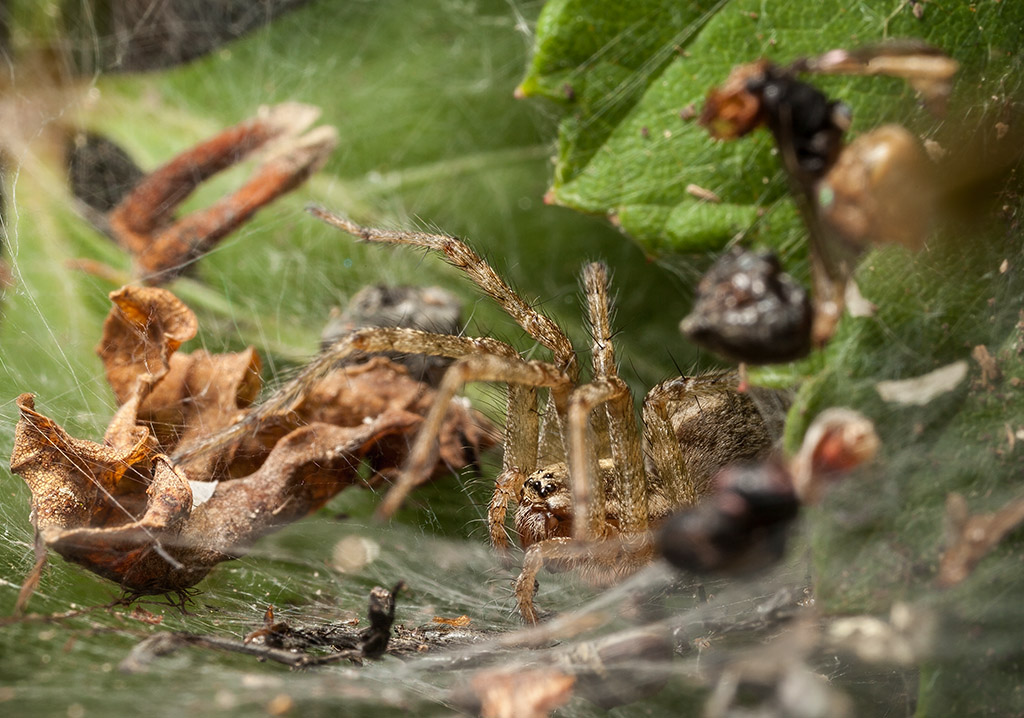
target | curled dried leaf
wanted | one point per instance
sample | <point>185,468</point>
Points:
<point>352,393</point>
<point>74,481</point>
<point>144,328</point>
<point>126,511</point>
<point>129,516</point>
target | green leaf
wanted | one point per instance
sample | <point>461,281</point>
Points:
<point>626,151</point>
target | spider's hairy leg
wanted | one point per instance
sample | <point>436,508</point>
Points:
<point>599,563</point>
<point>666,453</point>
<point>623,431</point>
<point>588,498</point>
<point>522,430</point>
<point>368,340</point>
<point>533,562</point>
<point>457,253</point>
<point>477,367</point>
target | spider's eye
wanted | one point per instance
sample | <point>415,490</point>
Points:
<point>549,475</point>
<point>547,490</point>
<point>534,485</point>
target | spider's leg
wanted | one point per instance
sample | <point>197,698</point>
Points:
<point>599,563</point>
<point>533,562</point>
<point>361,341</point>
<point>460,255</point>
<point>477,367</point>
<point>588,498</point>
<point>518,461</point>
<point>457,253</point>
<point>629,483</point>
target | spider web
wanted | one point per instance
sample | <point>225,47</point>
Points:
<point>462,156</point>
<point>456,155</point>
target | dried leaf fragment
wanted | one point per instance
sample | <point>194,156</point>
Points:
<point>163,247</point>
<point>142,530</point>
<point>71,480</point>
<point>972,537</point>
<point>921,390</point>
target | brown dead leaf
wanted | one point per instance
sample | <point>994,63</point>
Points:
<point>124,510</point>
<point>72,480</point>
<point>144,328</point>
<point>138,526</point>
<point>182,395</point>
<point>350,394</point>
<point>460,622</point>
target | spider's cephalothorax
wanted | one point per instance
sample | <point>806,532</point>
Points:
<point>588,479</point>
<point>545,506</point>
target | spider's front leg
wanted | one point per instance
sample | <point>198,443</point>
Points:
<point>599,563</point>
<point>370,340</point>
<point>526,585</point>
<point>607,389</point>
<point>521,430</point>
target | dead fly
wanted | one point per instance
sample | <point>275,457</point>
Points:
<point>589,480</point>
<point>875,190</point>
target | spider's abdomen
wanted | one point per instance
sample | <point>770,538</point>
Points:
<point>727,427</point>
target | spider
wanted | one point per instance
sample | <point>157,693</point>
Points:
<point>588,482</point>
